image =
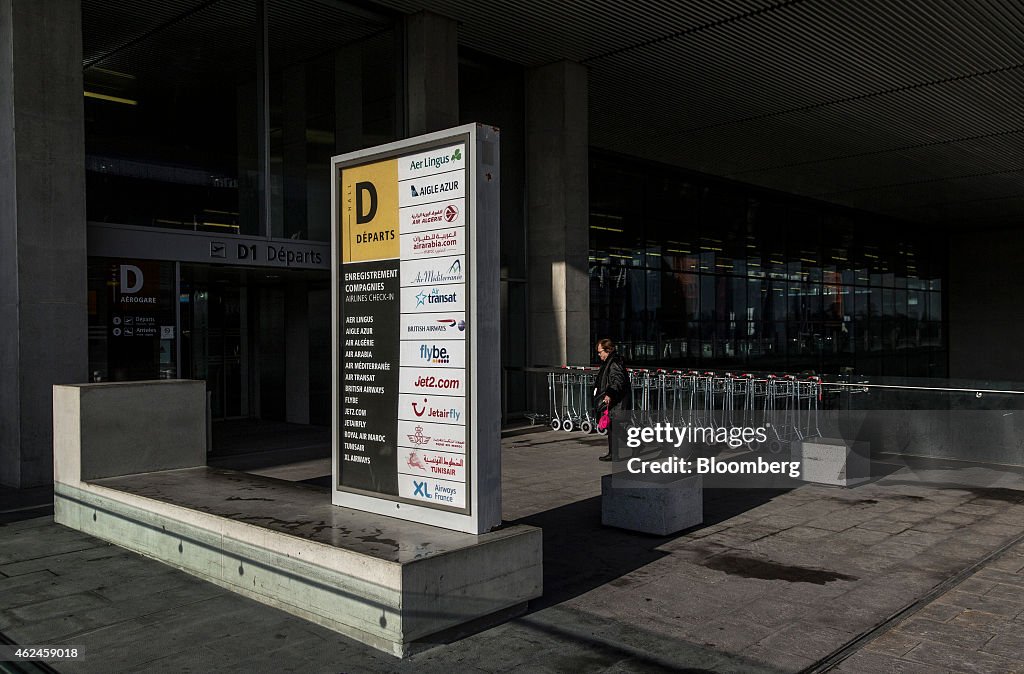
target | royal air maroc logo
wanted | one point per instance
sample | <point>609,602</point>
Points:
<point>418,438</point>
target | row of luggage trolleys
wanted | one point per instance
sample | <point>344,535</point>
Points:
<point>787,406</point>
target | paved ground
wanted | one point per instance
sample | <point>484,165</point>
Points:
<point>896,575</point>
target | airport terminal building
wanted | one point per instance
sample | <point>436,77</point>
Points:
<point>718,185</point>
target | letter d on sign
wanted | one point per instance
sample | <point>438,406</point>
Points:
<point>365,215</point>
<point>126,287</point>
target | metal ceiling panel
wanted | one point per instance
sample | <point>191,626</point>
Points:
<point>898,106</point>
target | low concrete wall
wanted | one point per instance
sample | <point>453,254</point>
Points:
<point>112,429</point>
<point>117,431</point>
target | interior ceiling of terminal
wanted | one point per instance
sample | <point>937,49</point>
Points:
<point>907,108</point>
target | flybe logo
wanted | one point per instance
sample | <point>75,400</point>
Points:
<point>434,354</point>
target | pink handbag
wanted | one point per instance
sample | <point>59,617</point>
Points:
<point>604,421</point>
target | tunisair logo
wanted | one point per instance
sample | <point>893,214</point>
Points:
<point>453,275</point>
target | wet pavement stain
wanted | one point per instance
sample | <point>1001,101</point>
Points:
<point>244,498</point>
<point>749,567</point>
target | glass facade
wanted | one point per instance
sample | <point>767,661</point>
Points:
<point>187,129</point>
<point>696,272</point>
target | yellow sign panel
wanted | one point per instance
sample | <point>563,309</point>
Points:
<point>369,212</point>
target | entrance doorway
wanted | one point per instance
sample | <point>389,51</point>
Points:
<point>260,338</point>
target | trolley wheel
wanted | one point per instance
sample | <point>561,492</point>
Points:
<point>567,425</point>
<point>775,446</point>
<point>602,431</point>
<point>556,424</point>
<point>586,426</point>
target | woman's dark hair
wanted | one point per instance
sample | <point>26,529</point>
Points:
<point>606,345</point>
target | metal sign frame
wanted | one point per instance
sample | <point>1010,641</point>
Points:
<point>482,403</point>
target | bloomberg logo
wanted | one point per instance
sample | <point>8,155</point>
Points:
<point>434,354</point>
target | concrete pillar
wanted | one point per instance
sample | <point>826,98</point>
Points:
<point>986,316</point>
<point>432,73</point>
<point>558,208</point>
<point>296,343</point>
<point>348,99</point>
<point>293,150</point>
<point>43,321</point>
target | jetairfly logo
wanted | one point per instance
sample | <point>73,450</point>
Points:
<point>435,297</point>
<point>451,414</point>
<point>433,354</point>
<point>453,275</point>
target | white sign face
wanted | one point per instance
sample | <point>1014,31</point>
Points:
<point>413,385</point>
<point>446,213</point>
<point>427,407</point>
<point>440,465</point>
<point>431,299</point>
<point>432,354</point>
<point>432,491</point>
<point>434,271</point>
<point>450,325</point>
<point>430,190</point>
<point>435,437</point>
<point>447,381</point>
<point>435,243</point>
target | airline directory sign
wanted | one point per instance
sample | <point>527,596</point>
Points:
<point>416,378</point>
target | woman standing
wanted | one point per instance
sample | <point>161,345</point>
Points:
<point>611,388</point>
